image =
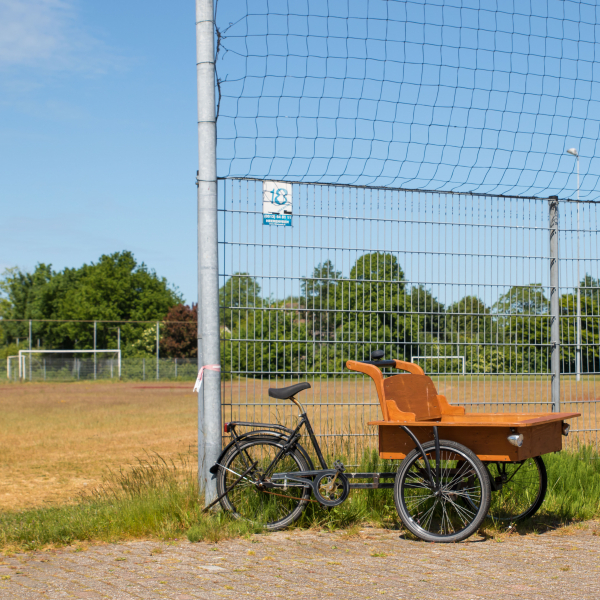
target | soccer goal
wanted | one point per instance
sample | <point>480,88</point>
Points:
<point>440,358</point>
<point>60,365</point>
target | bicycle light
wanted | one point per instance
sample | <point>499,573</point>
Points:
<point>516,439</point>
<point>565,429</point>
<point>226,428</point>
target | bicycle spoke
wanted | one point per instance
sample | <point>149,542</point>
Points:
<point>455,507</point>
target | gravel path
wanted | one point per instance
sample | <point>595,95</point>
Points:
<point>372,564</point>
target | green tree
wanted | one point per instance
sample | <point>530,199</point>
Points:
<point>429,311</point>
<point>469,317</point>
<point>522,300</point>
<point>590,309</point>
<point>318,295</point>
<point>370,306</point>
<point>590,288</point>
<point>522,327</point>
<point>116,288</point>
<point>238,298</point>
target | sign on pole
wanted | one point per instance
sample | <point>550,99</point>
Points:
<point>277,203</point>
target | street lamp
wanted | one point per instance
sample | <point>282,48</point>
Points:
<point>574,152</point>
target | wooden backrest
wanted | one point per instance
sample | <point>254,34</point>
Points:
<point>403,397</point>
<point>412,394</point>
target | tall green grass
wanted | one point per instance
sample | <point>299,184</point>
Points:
<point>155,499</point>
<point>159,499</point>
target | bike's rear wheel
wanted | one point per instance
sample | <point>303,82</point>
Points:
<point>274,505</point>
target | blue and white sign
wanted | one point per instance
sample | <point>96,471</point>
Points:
<point>277,203</point>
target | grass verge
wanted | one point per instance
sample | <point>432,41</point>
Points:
<point>159,499</point>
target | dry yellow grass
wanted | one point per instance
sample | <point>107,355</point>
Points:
<point>58,440</point>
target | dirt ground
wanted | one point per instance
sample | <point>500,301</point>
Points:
<point>58,440</point>
<point>373,563</point>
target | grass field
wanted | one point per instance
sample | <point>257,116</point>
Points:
<point>59,440</point>
<point>59,444</point>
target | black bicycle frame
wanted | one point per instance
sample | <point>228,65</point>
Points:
<point>291,441</point>
<point>293,435</point>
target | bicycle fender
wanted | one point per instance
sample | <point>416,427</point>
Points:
<point>260,433</point>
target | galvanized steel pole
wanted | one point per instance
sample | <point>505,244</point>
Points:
<point>95,363</point>
<point>30,349</point>
<point>209,397</point>
<point>578,349</point>
<point>119,348</point>
<point>554,306</point>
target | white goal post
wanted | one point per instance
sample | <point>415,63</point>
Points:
<point>464,372</point>
<point>23,353</point>
<point>8,363</point>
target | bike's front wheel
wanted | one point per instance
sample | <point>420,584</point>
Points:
<point>256,498</point>
<point>452,509</point>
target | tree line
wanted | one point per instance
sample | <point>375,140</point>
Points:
<point>335,318</point>
<point>115,288</point>
<point>332,319</point>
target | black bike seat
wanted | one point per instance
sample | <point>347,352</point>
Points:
<point>287,392</point>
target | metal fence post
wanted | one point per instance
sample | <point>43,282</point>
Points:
<point>554,306</point>
<point>157,350</point>
<point>30,350</point>
<point>95,355</point>
<point>119,348</point>
<point>209,403</point>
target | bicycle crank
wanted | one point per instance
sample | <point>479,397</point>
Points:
<point>331,490</point>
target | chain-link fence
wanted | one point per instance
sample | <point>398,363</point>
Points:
<point>465,285</point>
<point>49,368</point>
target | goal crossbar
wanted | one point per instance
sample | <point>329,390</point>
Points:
<point>22,354</point>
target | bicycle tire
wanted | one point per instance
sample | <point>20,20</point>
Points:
<point>447,515</point>
<point>274,508</point>
<point>524,486</point>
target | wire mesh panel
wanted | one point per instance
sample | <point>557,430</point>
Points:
<point>457,283</point>
<point>82,367</point>
<point>580,316</point>
<point>65,367</point>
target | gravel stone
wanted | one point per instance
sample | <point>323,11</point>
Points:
<point>375,563</point>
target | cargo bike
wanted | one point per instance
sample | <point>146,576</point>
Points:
<point>456,467</point>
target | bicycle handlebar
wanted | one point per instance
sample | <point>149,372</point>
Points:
<point>378,363</point>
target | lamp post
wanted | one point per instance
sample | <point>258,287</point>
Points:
<point>574,152</point>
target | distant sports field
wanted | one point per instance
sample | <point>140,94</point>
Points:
<point>58,440</point>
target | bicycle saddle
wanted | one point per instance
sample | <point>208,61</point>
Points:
<point>286,393</point>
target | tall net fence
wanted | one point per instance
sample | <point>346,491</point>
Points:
<point>458,283</point>
<point>481,96</point>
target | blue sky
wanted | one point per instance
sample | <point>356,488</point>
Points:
<point>98,141</point>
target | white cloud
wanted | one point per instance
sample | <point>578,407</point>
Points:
<point>47,34</point>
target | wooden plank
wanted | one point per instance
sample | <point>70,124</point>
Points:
<point>541,439</point>
<point>375,374</point>
<point>413,394</point>
<point>448,409</point>
<point>521,420</point>
<point>490,444</point>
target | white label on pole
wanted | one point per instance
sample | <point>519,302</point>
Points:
<point>277,203</point>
